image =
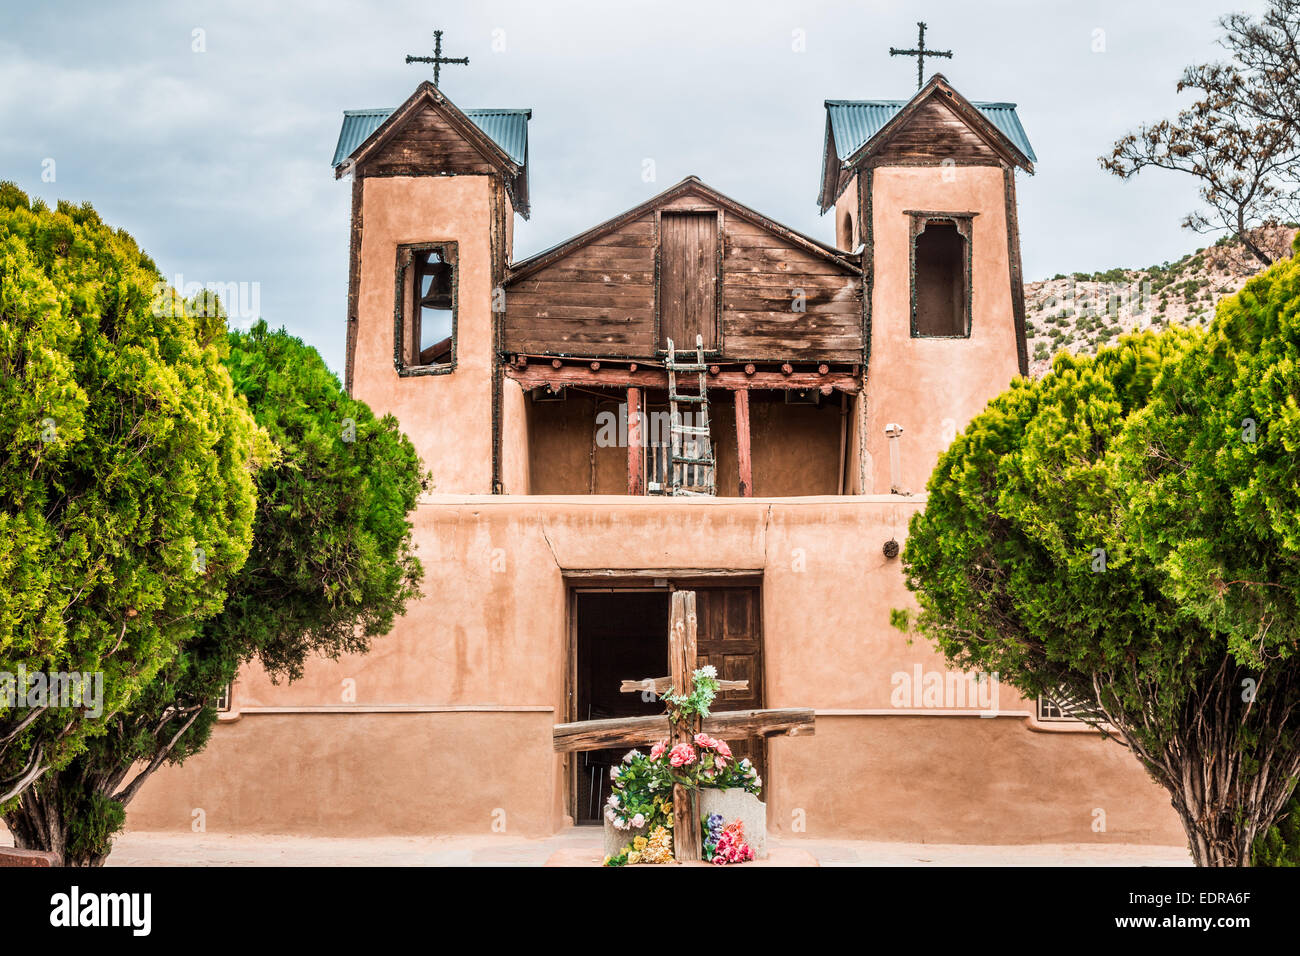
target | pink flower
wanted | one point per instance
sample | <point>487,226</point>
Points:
<point>658,749</point>
<point>704,740</point>
<point>682,755</point>
<point>721,747</point>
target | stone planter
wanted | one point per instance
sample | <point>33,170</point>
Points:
<point>733,804</point>
<point>737,804</point>
<point>616,839</point>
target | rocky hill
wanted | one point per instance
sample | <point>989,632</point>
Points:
<point>1083,311</point>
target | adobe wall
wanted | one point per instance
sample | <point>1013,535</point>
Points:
<point>447,416</point>
<point>933,387</point>
<point>445,726</point>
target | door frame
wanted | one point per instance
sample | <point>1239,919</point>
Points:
<point>612,580</point>
<point>718,336</point>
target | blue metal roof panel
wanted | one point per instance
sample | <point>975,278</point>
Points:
<point>507,128</point>
<point>854,122</point>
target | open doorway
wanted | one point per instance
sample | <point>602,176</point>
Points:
<point>622,634</point>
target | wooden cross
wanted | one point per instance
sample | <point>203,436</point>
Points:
<point>635,731</point>
<point>920,53</point>
<point>437,59</point>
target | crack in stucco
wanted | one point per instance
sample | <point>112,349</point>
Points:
<point>550,544</point>
<point>767,524</point>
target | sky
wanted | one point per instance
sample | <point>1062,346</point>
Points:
<point>206,129</point>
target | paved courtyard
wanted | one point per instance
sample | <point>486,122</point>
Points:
<point>582,845</point>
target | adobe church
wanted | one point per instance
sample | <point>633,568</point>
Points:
<point>688,395</point>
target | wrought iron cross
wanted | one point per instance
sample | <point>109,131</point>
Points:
<point>437,59</point>
<point>920,53</point>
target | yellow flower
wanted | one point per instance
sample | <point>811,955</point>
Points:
<point>633,858</point>
<point>660,846</point>
<point>639,843</point>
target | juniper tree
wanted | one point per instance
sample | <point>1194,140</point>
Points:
<point>1241,136</point>
<point>331,567</point>
<point>126,501</point>
<point>1084,538</point>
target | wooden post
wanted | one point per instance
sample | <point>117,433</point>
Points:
<point>742,443</point>
<point>635,474</point>
<point>682,644</point>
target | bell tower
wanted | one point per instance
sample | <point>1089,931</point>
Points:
<point>924,190</point>
<point>434,193</point>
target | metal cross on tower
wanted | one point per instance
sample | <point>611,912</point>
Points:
<point>920,53</point>
<point>437,59</point>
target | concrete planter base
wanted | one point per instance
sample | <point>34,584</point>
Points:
<point>733,804</point>
<point>616,839</point>
<point>736,804</point>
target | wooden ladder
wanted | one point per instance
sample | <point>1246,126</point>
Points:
<point>687,459</point>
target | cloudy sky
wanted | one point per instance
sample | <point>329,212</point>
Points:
<point>206,129</point>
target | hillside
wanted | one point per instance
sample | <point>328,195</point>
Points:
<point>1083,311</point>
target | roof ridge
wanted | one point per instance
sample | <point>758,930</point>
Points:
<point>981,103</point>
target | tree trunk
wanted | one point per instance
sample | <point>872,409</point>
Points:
<point>39,822</point>
<point>1213,838</point>
<point>1255,250</point>
<point>36,823</point>
<point>1232,767</point>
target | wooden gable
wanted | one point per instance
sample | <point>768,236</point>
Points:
<point>597,299</point>
<point>932,133</point>
<point>939,124</point>
<point>429,135</point>
<point>427,143</point>
<point>690,261</point>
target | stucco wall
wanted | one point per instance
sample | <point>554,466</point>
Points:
<point>515,443</point>
<point>455,705</point>
<point>934,387</point>
<point>448,417</point>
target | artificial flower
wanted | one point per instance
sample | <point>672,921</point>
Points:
<point>682,755</point>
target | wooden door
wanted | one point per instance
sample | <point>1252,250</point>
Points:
<point>688,279</point>
<point>730,637</point>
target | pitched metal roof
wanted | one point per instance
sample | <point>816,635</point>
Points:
<point>854,122</point>
<point>507,128</point>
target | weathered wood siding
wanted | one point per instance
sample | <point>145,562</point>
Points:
<point>935,133</point>
<point>598,300</point>
<point>765,279</point>
<point>426,143</point>
<point>601,298</point>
